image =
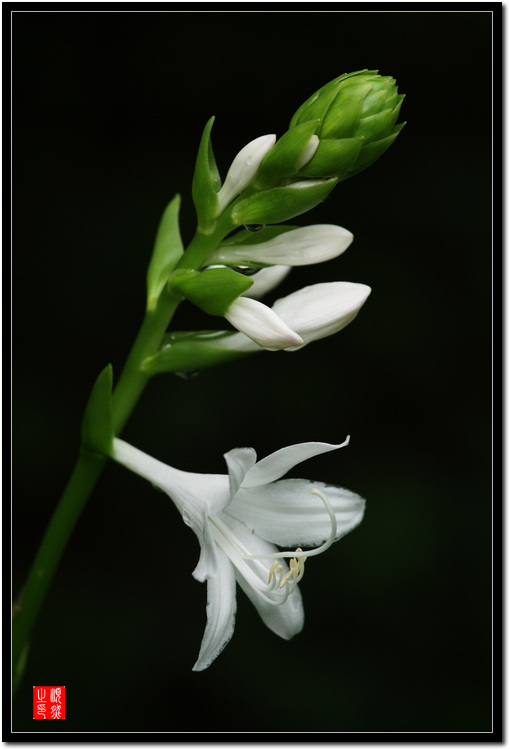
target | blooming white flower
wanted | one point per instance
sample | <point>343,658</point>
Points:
<point>298,247</point>
<point>243,169</point>
<point>313,312</point>
<point>239,518</point>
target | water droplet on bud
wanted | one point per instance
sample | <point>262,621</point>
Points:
<point>245,270</point>
<point>254,227</point>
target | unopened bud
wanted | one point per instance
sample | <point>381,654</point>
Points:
<point>243,169</point>
<point>356,116</point>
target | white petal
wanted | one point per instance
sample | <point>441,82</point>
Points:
<point>299,247</point>
<point>286,620</point>
<point>288,514</point>
<point>221,609</point>
<point>239,461</point>
<point>207,566</point>
<point>243,169</point>
<point>309,150</point>
<point>260,323</point>
<point>266,279</point>
<point>280,462</point>
<point>322,309</point>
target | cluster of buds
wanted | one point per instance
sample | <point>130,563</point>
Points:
<point>356,117</point>
<point>339,131</point>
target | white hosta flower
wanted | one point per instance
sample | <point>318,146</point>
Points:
<point>263,326</point>
<point>313,312</point>
<point>299,247</point>
<point>243,169</point>
<point>239,518</point>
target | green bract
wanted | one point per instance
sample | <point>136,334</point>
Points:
<point>213,290</point>
<point>97,425</point>
<point>206,181</point>
<point>356,115</point>
<point>166,254</point>
<point>285,158</point>
<point>282,203</point>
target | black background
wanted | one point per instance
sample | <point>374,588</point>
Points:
<point>108,108</point>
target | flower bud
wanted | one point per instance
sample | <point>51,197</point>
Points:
<point>284,245</point>
<point>243,169</point>
<point>356,115</point>
<point>313,313</point>
<point>261,324</point>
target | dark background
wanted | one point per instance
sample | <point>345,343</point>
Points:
<point>108,109</point>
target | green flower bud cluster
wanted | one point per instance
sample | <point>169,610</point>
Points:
<point>339,131</point>
<point>355,117</point>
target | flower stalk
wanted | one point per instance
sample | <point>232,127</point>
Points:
<point>338,132</point>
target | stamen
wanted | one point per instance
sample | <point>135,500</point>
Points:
<point>271,571</point>
<point>297,569</point>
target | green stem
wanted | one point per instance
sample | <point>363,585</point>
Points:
<point>203,243</point>
<point>132,380</point>
<point>89,465</point>
<point>83,479</point>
